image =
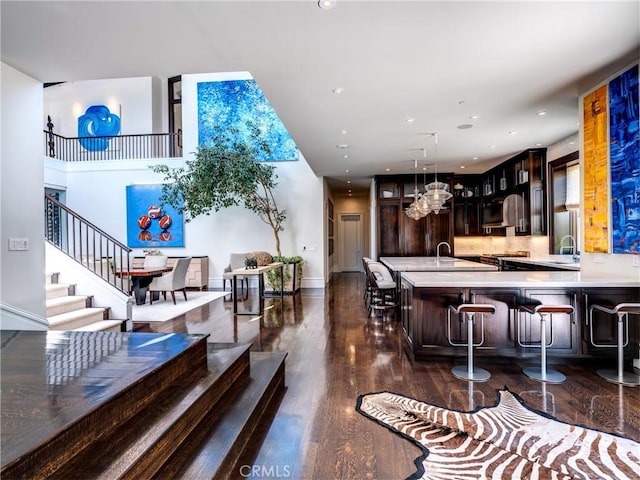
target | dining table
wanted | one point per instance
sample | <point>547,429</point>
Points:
<point>141,277</point>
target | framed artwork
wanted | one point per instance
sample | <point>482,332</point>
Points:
<point>233,103</point>
<point>150,224</point>
<point>624,153</point>
<point>596,181</point>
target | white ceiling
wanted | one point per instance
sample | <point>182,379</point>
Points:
<point>438,62</point>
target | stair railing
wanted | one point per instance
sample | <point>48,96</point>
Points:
<point>85,243</point>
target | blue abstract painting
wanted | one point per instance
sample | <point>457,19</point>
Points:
<point>150,224</point>
<point>624,135</point>
<point>97,122</point>
<point>233,103</point>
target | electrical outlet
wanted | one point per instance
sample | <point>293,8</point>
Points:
<point>598,258</point>
<point>636,261</point>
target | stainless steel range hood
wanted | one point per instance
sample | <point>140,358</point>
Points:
<point>502,213</point>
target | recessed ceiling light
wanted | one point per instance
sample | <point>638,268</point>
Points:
<point>512,132</point>
<point>474,158</point>
<point>327,4</point>
<point>492,146</point>
<point>338,90</point>
<point>462,166</point>
<point>343,132</point>
<point>541,113</point>
<point>465,126</point>
<point>410,119</point>
<point>342,146</point>
<point>346,156</point>
<point>474,117</point>
<point>538,144</point>
<point>387,169</point>
<point>348,181</point>
<point>347,170</point>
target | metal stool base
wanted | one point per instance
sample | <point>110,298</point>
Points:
<point>551,375</point>
<point>629,379</point>
<point>478,374</point>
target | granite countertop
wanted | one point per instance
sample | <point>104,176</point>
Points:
<point>564,262</point>
<point>517,279</point>
<point>433,264</point>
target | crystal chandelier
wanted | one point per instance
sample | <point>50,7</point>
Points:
<point>435,195</point>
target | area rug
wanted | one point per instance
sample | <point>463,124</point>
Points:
<point>506,441</point>
<point>163,310</point>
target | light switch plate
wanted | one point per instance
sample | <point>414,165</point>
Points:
<point>18,244</point>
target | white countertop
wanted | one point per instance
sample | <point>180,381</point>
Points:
<point>517,279</point>
<point>556,261</point>
<point>432,264</point>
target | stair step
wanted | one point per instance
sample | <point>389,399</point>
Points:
<point>138,448</point>
<point>218,451</point>
<point>102,326</point>
<point>104,408</point>
<point>77,319</point>
<point>56,290</point>
<point>56,306</point>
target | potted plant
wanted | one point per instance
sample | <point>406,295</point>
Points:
<point>292,275</point>
<point>223,175</point>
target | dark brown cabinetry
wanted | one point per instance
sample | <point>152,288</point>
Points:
<point>466,206</point>
<point>507,333</point>
<point>525,176</point>
<point>399,235</point>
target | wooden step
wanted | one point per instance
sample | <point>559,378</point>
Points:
<point>56,306</point>
<point>138,448</point>
<point>77,319</point>
<point>100,381</point>
<point>215,453</point>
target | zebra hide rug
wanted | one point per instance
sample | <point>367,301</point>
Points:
<point>506,441</point>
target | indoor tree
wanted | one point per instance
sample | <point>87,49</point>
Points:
<point>224,174</point>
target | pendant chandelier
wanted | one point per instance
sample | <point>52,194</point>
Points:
<point>435,195</point>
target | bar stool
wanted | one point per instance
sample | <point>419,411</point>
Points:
<point>469,310</point>
<point>383,288</point>
<point>543,374</point>
<point>622,310</point>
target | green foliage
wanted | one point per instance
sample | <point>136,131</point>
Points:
<point>223,175</point>
<point>274,279</point>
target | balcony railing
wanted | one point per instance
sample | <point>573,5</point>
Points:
<point>119,147</point>
<point>87,244</point>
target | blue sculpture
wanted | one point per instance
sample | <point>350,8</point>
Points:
<point>100,123</point>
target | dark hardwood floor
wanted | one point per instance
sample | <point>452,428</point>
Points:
<point>336,353</point>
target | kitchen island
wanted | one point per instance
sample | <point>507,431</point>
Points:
<point>425,297</point>
<point>434,264</point>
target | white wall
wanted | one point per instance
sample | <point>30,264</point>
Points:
<point>97,191</point>
<point>22,278</point>
<point>137,101</point>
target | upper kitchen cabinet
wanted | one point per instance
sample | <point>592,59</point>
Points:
<point>523,175</point>
<point>399,235</point>
<point>466,205</point>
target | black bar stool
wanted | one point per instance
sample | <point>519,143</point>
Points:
<point>543,374</point>
<point>622,310</point>
<point>468,311</point>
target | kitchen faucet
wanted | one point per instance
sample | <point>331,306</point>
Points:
<point>571,246</point>
<point>438,249</point>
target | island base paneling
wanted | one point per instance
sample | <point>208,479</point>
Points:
<point>508,333</point>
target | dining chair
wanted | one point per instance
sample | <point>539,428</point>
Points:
<point>171,281</point>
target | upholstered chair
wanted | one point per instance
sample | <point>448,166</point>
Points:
<point>171,281</point>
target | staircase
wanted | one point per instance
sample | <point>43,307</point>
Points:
<point>68,311</point>
<point>170,406</point>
